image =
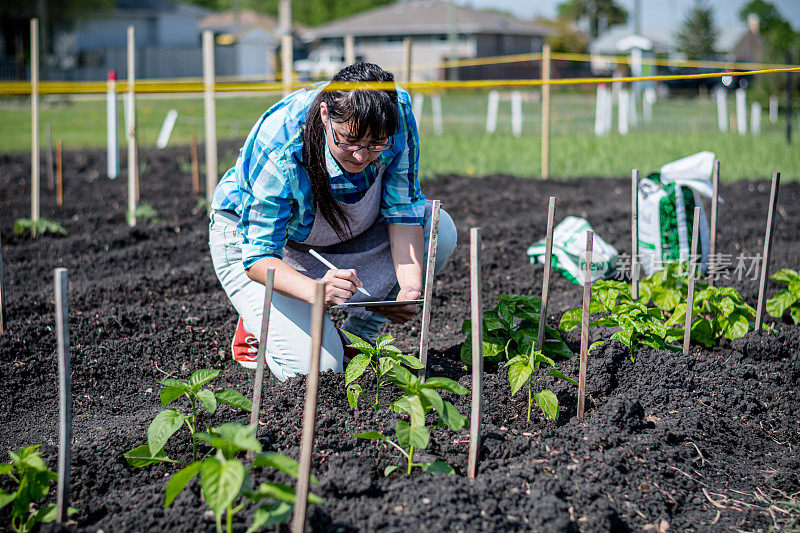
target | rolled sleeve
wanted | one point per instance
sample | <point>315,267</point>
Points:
<point>402,201</point>
<point>267,201</point>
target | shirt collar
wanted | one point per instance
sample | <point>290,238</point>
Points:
<point>334,170</point>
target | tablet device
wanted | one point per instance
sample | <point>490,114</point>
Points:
<point>379,303</point>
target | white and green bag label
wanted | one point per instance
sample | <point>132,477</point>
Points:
<point>666,209</point>
<point>569,252</point>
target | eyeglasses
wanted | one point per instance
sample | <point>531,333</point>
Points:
<point>374,147</point>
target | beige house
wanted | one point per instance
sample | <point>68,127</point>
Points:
<point>439,30</point>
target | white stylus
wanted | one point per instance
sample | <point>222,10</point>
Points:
<point>331,265</point>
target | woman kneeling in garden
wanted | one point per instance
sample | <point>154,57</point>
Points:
<point>334,170</point>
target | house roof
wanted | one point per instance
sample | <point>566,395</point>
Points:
<point>729,37</point>
<point>160,6</point>
<point>424,17</point>
<point>230,21</point>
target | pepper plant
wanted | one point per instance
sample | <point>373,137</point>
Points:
<point>382,358</point>
<point>667,287</point>
<point>32,479</point>
<point>512,327</point>
<point>421,397</point>
<point>716,312</point>
<point>639,325</point>
<point>788,298</point>
<point>170,420</point>
<point>521,369</point>
<point>227,484</point>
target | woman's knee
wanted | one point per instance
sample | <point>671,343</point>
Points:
<point>447,240</point>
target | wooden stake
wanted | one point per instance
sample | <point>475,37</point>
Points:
<point>262,351</point>
<point>587,296</point>
<point>133,162</point>
<point>548,254</point>
<point>210,116</point>
<point>635,234</point>
<point>51,178</point>
<point>433,239</point>
<point>195,167</point>
<point>287,70</point>
<point>309,412</point>
<point>59,174</point>
<point>2,292</point>
<point>687,324</point>
<point>476,311</point>
<point>712,262</point>
<point>64,392</point>
<point>773,204</point>
<point>34,122</point>
<point>349,49</point>
<point>545,112</point>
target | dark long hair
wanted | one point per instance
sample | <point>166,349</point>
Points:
<point>370,111</point>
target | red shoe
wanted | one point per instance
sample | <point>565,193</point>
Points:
<point>244,346</point>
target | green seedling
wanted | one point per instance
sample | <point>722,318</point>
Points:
<point>32,479</point>
<point>521,370</point>
<point>26,227</point>
<point>668,287</point>
<point>788,298</point>
<point>382,358</point>
<point>639,325</point>
<point>421,398</point>
<point>512,327</point>
<point>144,213</point>
<point>227,484</point>
<point>169,421</point>
<point>716,312</point>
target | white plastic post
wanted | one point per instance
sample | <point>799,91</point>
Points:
<point>166,128</point>
<point>722,110</point>
<point>632,116</point>
<point>491,111</point>
<point>648,99</point>
<point>599,110</point>
<point>112,143</point>
<point>34,120</point>
<point>130,128</point>
<point>623,109</point>
<point>773,109</point>
<point>349,49</point>
<point>436,101</point>
<point>516,113</point>
<point>417,103</point>
<point>741,111</point>
<point>609,112</point>
<point>755,118</point>
<point>210,116</point>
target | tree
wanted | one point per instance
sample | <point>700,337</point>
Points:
<point>777,33</point>
<point>567,37</point>
<point>594,11</point>
<point>308,12</point>
<point>697,34</point>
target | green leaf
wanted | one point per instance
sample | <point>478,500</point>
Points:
<point>163,426</point>
<point>594,345</point>
<point>780,302</point>
<point>383,341</point>
<point>356,367</point>
<point>201,377</point>
<point>548,403</point>
<point>415,410</point>
<point>703,332</point>
<point>737,327</point>
<point>571,319</point>
<point>556,374</point>
<point>5,468</point>
<point>231,438</point>
<point>178,482</point>
<point>353,393</point>
<point>402,377</point>
<point>270,514</point>
<point>6,498</point>
<point>446,384</point>
<point>451,417</point>
<point>278,461</point>
<point>169,382</point>
<point>410,361</point>
<point>141,456</point>
<point>281,492</point>
<point>208,400</point>
<point>438,467</point>
<point>389,469</point>
<point>518,375</point>
<point>170,394</point>
<point>370,435</point>
<point>358,343</point>
<point>408,435</point>
<point>34,486</point>
<point>794,310</point>
<point>785,275</point>
<point>221,481</point>
<point>234,399</point>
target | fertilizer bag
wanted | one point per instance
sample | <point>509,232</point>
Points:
<point>666,209</point>
<point>569,252</point>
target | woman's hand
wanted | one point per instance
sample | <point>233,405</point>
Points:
<point>402,313</point>
<point>340,285</point>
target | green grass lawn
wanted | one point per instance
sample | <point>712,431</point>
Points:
<point>680,127</point>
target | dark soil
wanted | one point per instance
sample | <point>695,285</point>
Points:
<point>705,442</point>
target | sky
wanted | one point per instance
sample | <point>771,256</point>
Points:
<point>656,14</point>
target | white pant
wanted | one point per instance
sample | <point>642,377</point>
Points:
<point>289,340</point>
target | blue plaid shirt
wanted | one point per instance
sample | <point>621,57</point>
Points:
<point>270,190</point>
